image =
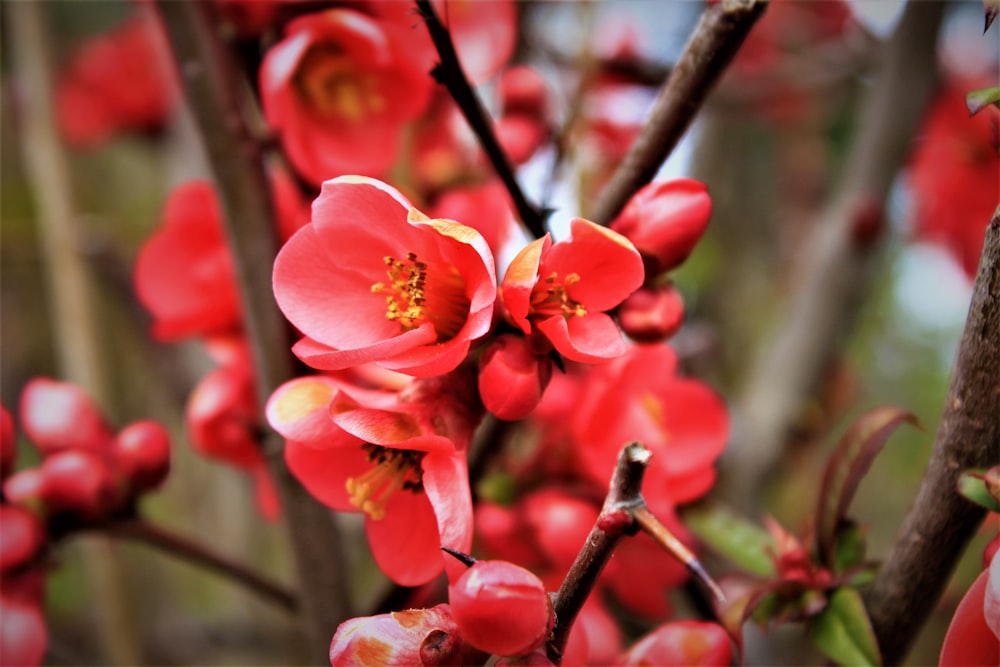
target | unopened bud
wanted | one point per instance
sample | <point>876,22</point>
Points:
<point>652,314</point>
<point>512,378</point>
<point>142,453</point>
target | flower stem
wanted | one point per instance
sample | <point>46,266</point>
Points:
<point>449,73</point>
<point>181,547</point>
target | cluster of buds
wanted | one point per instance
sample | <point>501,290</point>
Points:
<point>88,473</point>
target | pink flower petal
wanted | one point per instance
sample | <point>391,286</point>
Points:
<point>590,339</point>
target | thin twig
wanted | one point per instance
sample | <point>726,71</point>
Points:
<point>941,522</point>
<point>624,496</point>
<point>718,36</point>
<point>449,73</point>
<point>209,78</point>
<point>181,547</point>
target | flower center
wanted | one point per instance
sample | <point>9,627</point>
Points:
<point>550,297</point>
<point>416,293</point>
<point>394,469</point>
<point>331,83</point>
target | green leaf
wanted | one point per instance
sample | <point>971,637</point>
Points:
<point>972,485</point>
<point>979,99</point>
<point>850,546</point>
<point>843,631</point>
<point>743,542</point>
<point>851,459</point>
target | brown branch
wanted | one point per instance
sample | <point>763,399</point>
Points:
<point>449,73</point>
<point>841,255</point>
<point>718,36</point>
<point>209,78</point>
<point>197,554</point>
<point>941,522</point>
<point>624,496</point>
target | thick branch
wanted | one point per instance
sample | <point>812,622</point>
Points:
<point>841,255</point>
<point>718,36</point>
<point>941,522</point>
<point>209,78</point>
<point>449,73</point>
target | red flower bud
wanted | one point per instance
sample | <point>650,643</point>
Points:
<point>501,608</point>
<point>664,220</point>
<point>22,633</point>
<point>972,635</point>
<point>8,443</point>
<point>512,378</point>
<point>652,314</point>
<point>522,90</point>
<point>21,535</point>
<point>684,644</point>
<point>59,415</point>
<point>24,487</point>
<point>142,452</point>
<point>78,481</point>
<point>411,637</point>
<point>560,524</point>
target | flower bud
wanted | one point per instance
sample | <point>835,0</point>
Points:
<point>411,637</point>
<point>24,488</point>
<point>652,314</point>
<point>59,415</point>
<point>22,535</point>
<point>78,481</point>
<point>664,220</point>
<point>522,90</point>
<point>142,453</point>
<point>501,608</point>
<point>559,522</point>
<point>512,378</point>
<point>22,633</point>
<point>8,443</point>
<point>682,644</point>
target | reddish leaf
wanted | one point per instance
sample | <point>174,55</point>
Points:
<point>845,469</point>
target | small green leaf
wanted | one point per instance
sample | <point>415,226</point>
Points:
<point>850,544</point>
<point>851,459</point>
<point>843,631</point>
<point>972,485</point>
<point>977,100</point>
<point>744,543</point>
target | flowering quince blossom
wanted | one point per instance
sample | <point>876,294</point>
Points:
<point>399,457</point>
<point>973,637</point>
<point>682,644</point>
<point>339,89</point>
<point>184,273</point>
<point>411,637</point>
<point>561,290</point>
<point>665,220</point>
<point>374,280</point>
<point>121,80</point>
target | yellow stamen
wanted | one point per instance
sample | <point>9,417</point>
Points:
<point>331,83</point>
<point>394,469</point>
<point>416,293</point>
<point>550,297</point>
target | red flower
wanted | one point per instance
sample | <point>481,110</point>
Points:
<point>411,637</point>
<point>973,637</point>
<point>955,174</point>
<point>682,644</point>
<point>121,80</point>
<point>562,290</point>
<point>640,397</point>
<point>338,89</point>
<point>372,279</point>
<point>665,220</point>
<point>184,273</point>
<point>223,422</point>
<point>400,461</point>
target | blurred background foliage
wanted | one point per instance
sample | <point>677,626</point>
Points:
<point>769,171</point>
